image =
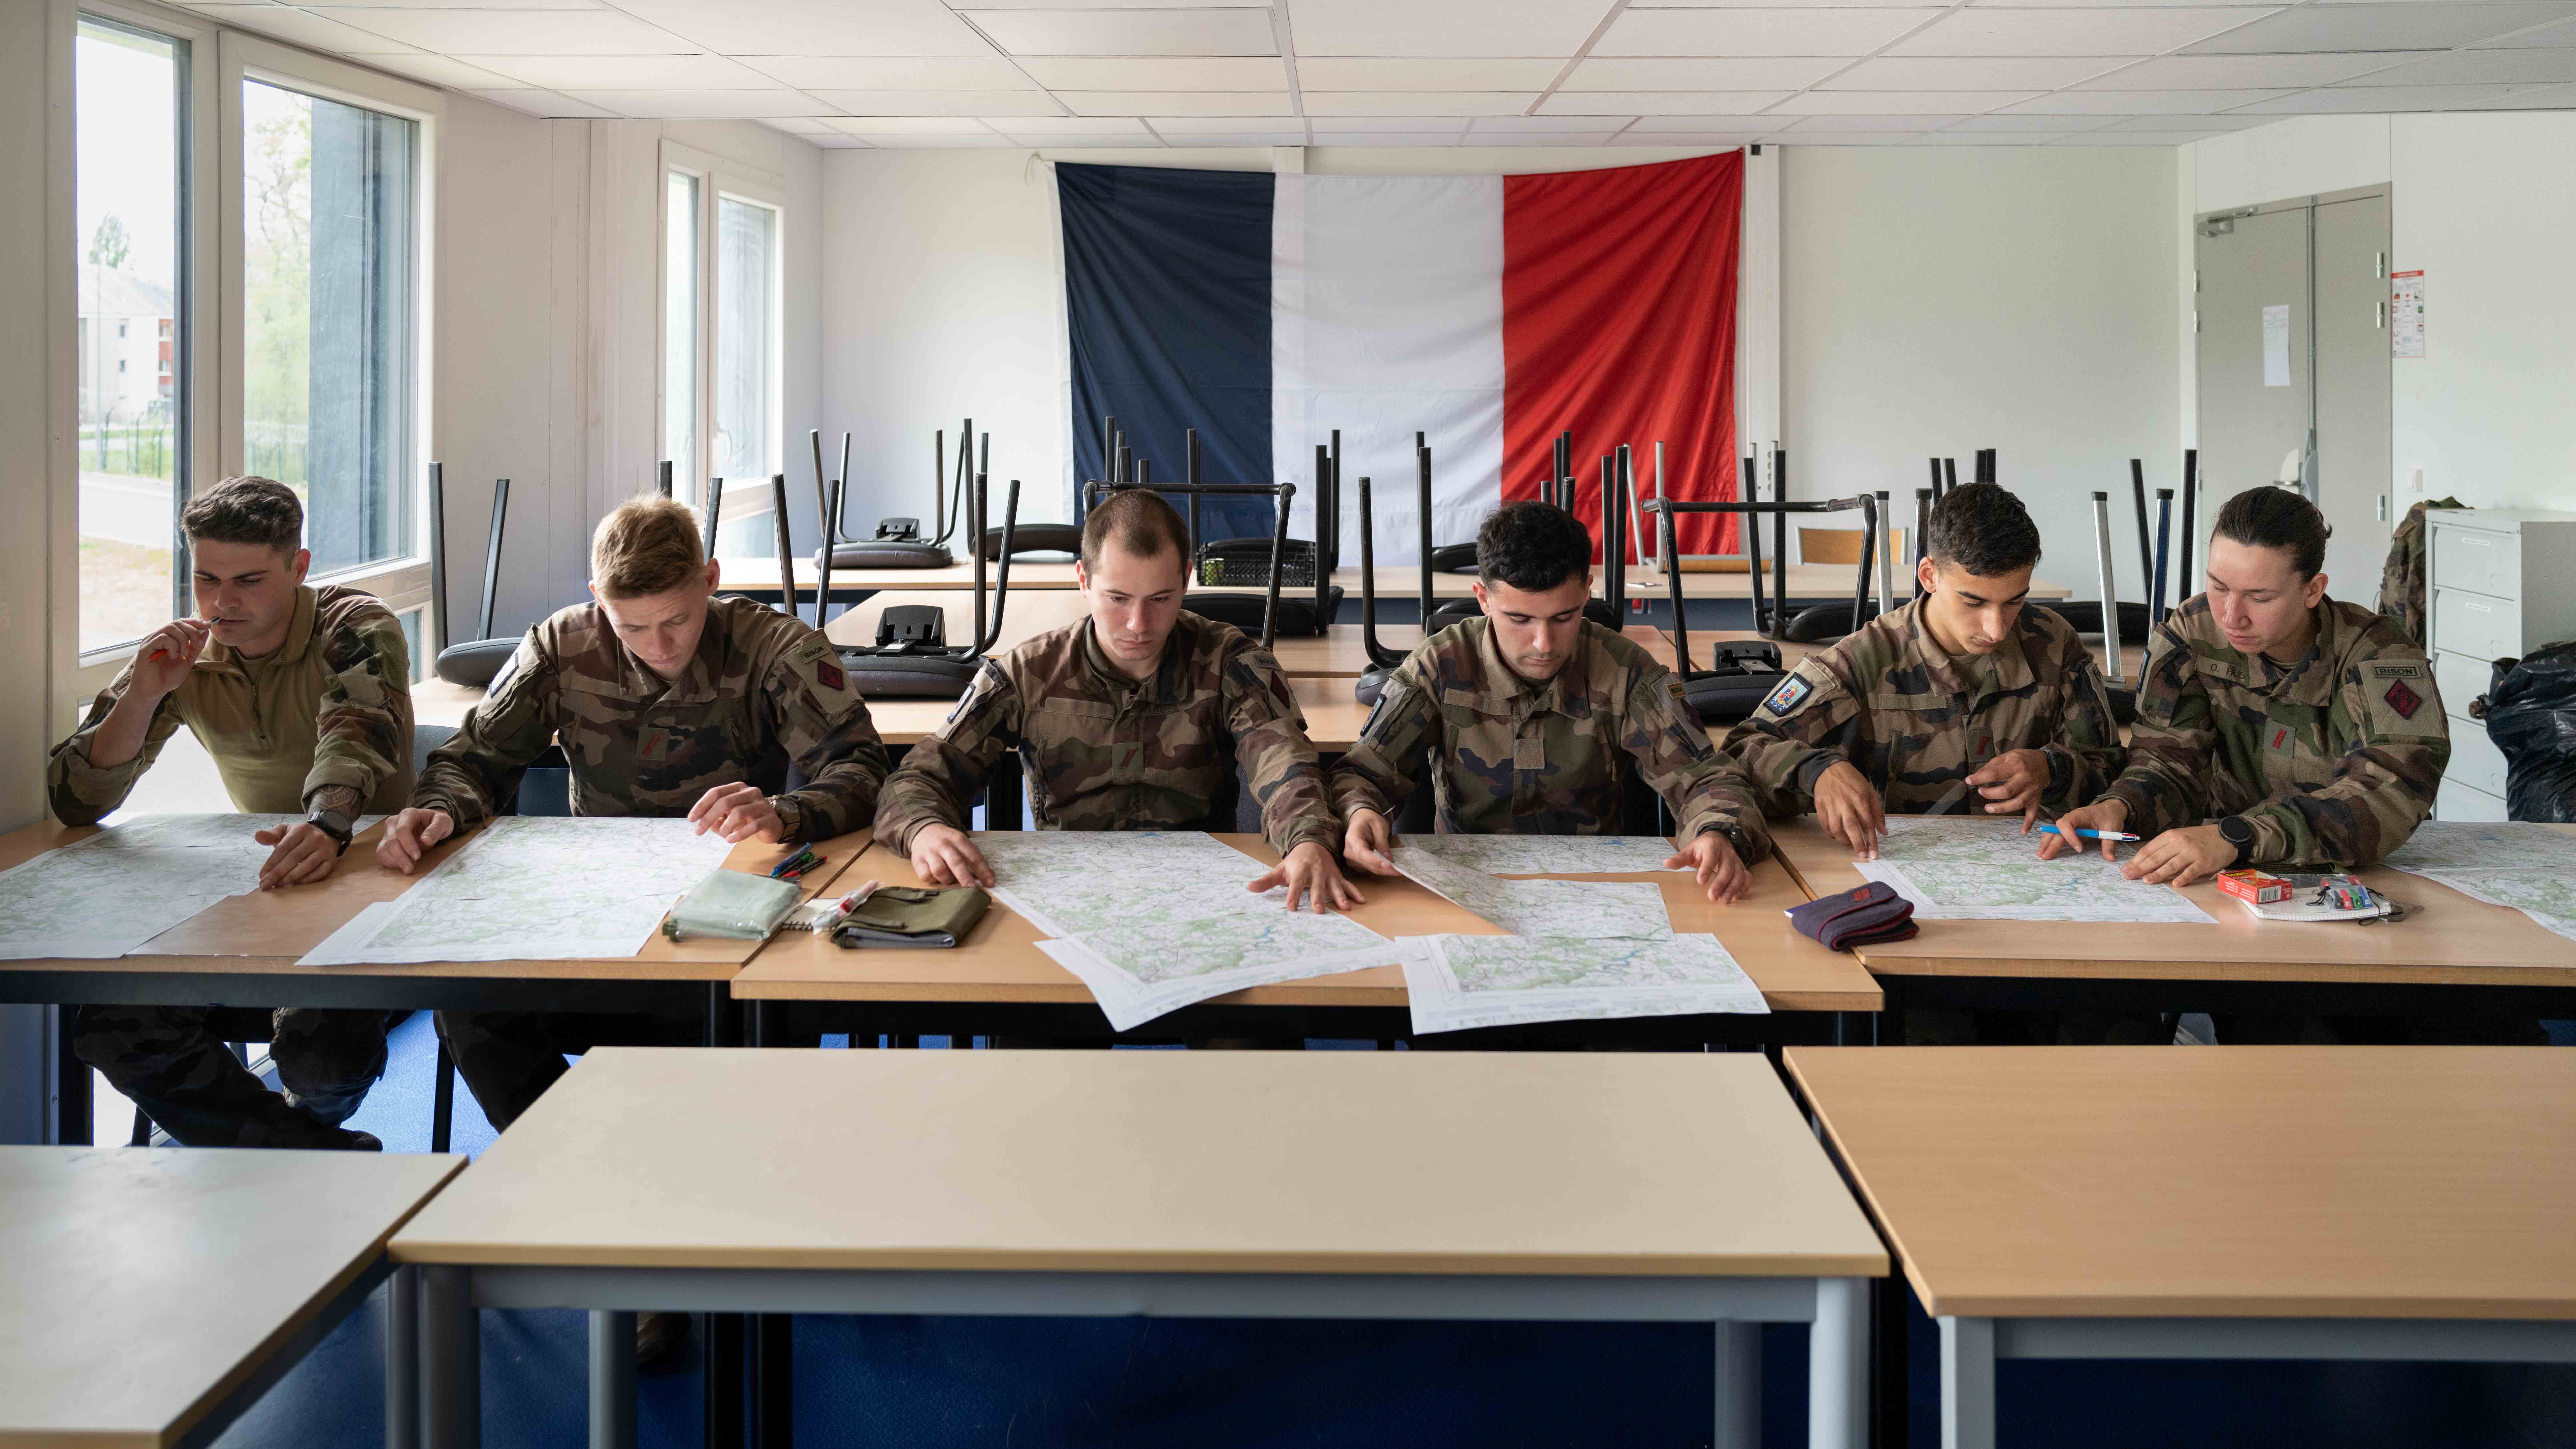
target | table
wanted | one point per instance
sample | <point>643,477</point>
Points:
<point>2448,944</point>
<point>154,1295</point>
<point>1619,1186</point>
<point>2214,1202</point>
<point>998,982</point>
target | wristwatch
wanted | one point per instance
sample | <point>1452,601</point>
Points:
<point>2237,831</point>
<point>334,823</point>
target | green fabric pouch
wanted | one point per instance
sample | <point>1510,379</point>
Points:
<point>731,905</point>
<point>913,916</point>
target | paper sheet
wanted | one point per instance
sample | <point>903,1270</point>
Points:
<point>1139,972</point>
<point>1963,869</point>
<point>1574,909</point>
<point>2523,867</point>
<point>1547,854</point>
<point>1457,982</point>
<point>108,894</point>
<point>536,888</point>
<point>2406,314</point>
<point>1068,882</point>
<point>2276,346</point>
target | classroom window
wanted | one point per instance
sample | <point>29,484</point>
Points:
<point>746,337</point>
<point>680,331</point>
<point>129,110</point>
<point>329,282</point>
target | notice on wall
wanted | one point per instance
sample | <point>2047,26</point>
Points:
<point>2276,346</point>
<point>2406,314</point>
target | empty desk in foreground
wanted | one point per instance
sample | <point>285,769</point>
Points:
<point>2368,1203</point>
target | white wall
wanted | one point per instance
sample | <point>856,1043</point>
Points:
<point>1934,301</point>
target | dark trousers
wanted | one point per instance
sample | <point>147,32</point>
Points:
<point>509,1058</point>
<point>172,1061</point>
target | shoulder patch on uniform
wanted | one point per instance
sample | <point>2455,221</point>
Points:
<point>831,675</point>
<point>1791,693</point>
<point>2401,699</point>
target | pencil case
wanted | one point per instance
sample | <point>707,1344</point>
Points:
<point>916,916</point>
<point>1866,916</point>
<point>731,905</point>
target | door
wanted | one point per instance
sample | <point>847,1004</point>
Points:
<point>2353,380</point>
<point>2253,356</point>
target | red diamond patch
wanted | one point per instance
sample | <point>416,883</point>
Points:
<point>830,674</point>
<point>2403,700</point>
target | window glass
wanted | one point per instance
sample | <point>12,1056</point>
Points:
<point>680,332</point>
<point>746,377</point>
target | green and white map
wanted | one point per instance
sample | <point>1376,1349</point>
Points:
<point>105,895</point>
<point>1959,868</point>
<point>1567,908</point>
<point>1469,981</point>
<point>1547,854</point>
<point>2529,868</point>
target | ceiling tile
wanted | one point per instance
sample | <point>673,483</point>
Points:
<point>1177,103</point>
<point>1953,73</point>
<point>2477,67</point>
<point>814,27</point>
<point>2028,124</point>
<point>2375,99</point>
<point>1128,32</point>
<point>2543,98</point>
<point>2140,31</point>
<point>1749,73</point>
<point>1133,4</point>
<point>1760,32</point>
<point>1347,125</point>
<point>1234,138</point>
<point>1805,125</point>
<point>741,105</point>
<point>515,32</point>
<point>873,127</point>
<point>900,73</point>
<point>624,72</point>
<point>1897,103</point>
<point>1713,141</point>
<point>1418,103</point>
<point>1661,103</point>
<point>440,70</point>
<point>1424,73</point>
<point>1559,138</point>
<point>1222,125</point>
<point>1548,125</point>
<point>1160,73</point>
<point>2211,125</point>
<point>2134,138</point>
<point>543,103</point>
<point>941,103</point>
<point>1071,126</point>
<point>319,31</point>
<point>2547,35</point>
<point>800,125</point>
<point>2245,72</point>
<point>2436,26</point>
<point>1142,140</point>
<point>439,4</point>
<point>1389,138</point>
<point>839,143</point>
<point>1441,27</point>
<point>987,141</point>
<point>1978,138</point>
<point>2141,103</point>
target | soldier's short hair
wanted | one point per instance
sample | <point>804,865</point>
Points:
<point>1983,529</point>
<point>1141,522</point>
<point>645,546</point>
<point>2274,517</point>
<point>246,509</point>
<point>1532,546</point>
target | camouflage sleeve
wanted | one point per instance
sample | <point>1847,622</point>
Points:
<point>1382,767</point>
<point>364,729</point>
<point>2383,785</point>
<point>816,713</point>
<point>478,769</point>
<point>1706,789</point>
<point>2085,756</point>
<point>1803,729</point>
<point>81,792</point>
<point>940,777</point>
<point>1277,759</point>
<point>2165,785</point>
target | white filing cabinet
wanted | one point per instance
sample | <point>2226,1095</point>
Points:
<point>2499,583</point>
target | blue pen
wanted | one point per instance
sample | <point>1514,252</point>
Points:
<point>2083,834</point>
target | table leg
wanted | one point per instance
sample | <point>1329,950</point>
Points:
<point>612,1379</point>
<point>1891,1373</point>
<point>1838,1365</point>
<point>773,1382</point>
<point>402,1359</point>
<point>451,1361</point>
<point>1967,1383</point>
<point>723,1379</point>
<point>1739,1385</point>
<point>72,1084</point>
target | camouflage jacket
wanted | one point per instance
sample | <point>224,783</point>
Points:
<point>1917,722</point>
<point>2401,582</point>
<point>1104,752</point>
<point>762,694</point>
<point>2333,760</point>
<point>331,707</point>
<point>1511,757</point>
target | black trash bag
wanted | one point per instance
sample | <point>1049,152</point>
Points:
<point>2531,715</point>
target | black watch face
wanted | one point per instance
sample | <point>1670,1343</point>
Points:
<point>2235,831</point>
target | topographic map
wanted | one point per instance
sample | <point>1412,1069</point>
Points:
<point>1961,869</point>
<point>1565,908</point>
<point>1468,981</point>
<point>2528,868</point>
<point>1547,854</point>
<point>107,894</point>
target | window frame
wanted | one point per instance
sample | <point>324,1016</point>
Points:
<point>718,178</point>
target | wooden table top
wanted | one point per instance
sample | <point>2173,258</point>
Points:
<point>1000,961</point>
<point>2381,1182</point>
<point>2446,938</point>
<point>267,932</point>
<point>1669,1164</point>
<point>145,1284</point>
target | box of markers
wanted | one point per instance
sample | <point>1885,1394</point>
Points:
<point>2254,886</point>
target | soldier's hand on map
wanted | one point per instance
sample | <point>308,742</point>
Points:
<point>304,853</point>
<point>1366,841</point>
<point>409,835</point>
<point>2179,857</point>
<point>1712,859</point>
<point>2104,815</point>
<point>736,813</point>
<point>1309,874</point>
<point>1849,809</point>
<point>945,857</point>
<point>2012,782</point>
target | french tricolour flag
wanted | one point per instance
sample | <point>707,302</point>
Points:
<point>1486,312</point>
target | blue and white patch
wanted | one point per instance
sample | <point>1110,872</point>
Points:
<point>1793,692</point>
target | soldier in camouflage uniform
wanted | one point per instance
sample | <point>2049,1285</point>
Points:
<point>667,702</point>
<point>1135,718</point>
<point>1528,714</point>
<point>303,697</point>
<point>2401,580</point>
<point>1963,700</point>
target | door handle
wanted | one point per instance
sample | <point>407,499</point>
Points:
<point>2381,308</point>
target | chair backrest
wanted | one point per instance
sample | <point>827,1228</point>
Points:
<point>425,738</point>
<point>1841,545</point>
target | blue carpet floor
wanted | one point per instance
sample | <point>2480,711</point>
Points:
<point>1145,1384</point>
